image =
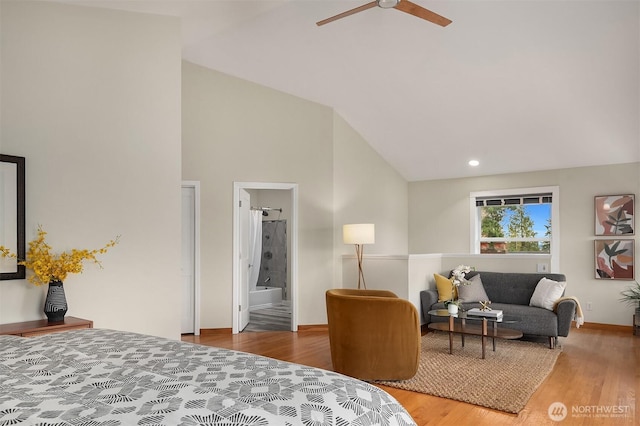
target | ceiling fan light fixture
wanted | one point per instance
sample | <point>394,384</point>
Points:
<point>405,6</point>
<point>387,4</point>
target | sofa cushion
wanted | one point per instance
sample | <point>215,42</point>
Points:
<point>512,287</point>
<point>445,288</point>
<point>533,320</point>
<point>546,294</point>
<point>473,292</point>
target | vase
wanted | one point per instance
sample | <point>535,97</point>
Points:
<point>55,305</point>
<point>453,309</point>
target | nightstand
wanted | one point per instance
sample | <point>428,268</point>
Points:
<point>40,327</point>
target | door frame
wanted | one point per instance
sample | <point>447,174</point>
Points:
<point>196,252</point>
<point>293,188</point>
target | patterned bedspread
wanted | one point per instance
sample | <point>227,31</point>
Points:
<point>104,377</point>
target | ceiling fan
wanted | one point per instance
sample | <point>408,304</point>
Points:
<point>403,5</point>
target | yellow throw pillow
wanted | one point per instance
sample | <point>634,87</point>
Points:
<point>445,288</point>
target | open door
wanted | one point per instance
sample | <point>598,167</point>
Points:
<point>245,217</point>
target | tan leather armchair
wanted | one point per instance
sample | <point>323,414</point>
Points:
<point>374,335</point>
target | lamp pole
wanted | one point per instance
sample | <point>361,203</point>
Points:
<point>359,252</point>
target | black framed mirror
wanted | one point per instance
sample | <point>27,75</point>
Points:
<point>12,219</point>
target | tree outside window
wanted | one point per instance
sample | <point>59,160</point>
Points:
<point>515,229</point>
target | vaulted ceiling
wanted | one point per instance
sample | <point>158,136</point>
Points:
<point>519,85</point>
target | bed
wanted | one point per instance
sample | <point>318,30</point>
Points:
<point>106,377</point>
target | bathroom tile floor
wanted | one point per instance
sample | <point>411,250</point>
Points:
<point>274,318</point>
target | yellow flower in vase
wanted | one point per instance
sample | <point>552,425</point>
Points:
<point>47,267</point>
<point>52,269</point>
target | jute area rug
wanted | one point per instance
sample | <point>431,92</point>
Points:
<point>504,380</point>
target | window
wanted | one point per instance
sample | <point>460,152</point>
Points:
<point>515,221</point>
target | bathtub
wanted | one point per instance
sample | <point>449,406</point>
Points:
<point>264,297</point>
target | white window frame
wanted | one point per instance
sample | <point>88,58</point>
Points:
<point>475,219</point>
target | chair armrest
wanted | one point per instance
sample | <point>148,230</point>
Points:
<point>427,299</point>
<point>566,311</point>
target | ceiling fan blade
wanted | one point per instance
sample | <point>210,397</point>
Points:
<point>348,12</point>
<point>421,12</point>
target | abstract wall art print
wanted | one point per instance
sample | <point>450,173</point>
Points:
<point>614,259</point>
<point>614,214</point>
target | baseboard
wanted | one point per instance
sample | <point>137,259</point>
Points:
<point>606,327</point>
<point>587,325</point>
<point>314,327</point>
<point>423,328</point>
<point>213,331</point>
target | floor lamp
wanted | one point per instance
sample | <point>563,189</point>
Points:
<point>359,234</point>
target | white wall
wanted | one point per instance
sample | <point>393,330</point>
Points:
<point>91,98</point>
<point>495,262</point>
<point>439,223</point>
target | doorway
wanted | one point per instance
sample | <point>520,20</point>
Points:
<point>269,304</point>
<point>280,223</point>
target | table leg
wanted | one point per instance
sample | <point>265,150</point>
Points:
<point>484,335</point>
<point>451,323</point>
<point>462,324</point>
<point>495,328</point>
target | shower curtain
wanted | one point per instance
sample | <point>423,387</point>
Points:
<point>273,267</point>
<point>255,248</point>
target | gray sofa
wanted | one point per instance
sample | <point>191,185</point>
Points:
<point>511,292</point>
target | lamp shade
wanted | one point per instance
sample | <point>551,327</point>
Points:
<point>359,233</point>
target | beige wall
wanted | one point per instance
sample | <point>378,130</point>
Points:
<point>408,275</point>
<point>234,130</point>
<point>366,190</point>
<point>91,98</point>
<point>439,223</point>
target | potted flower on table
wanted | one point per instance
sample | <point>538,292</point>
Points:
<point>458,274</point>
<point>52,269</point>
<point>453,306</point>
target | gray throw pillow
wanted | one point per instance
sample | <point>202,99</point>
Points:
<point>474,292</point>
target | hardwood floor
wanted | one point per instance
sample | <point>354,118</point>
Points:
<point>596,377</point>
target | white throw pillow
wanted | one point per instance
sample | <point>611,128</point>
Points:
<point>546,293</point>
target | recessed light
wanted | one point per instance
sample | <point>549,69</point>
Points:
<point>474,163</point>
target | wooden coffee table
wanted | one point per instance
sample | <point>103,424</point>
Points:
<point>479,327</point>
